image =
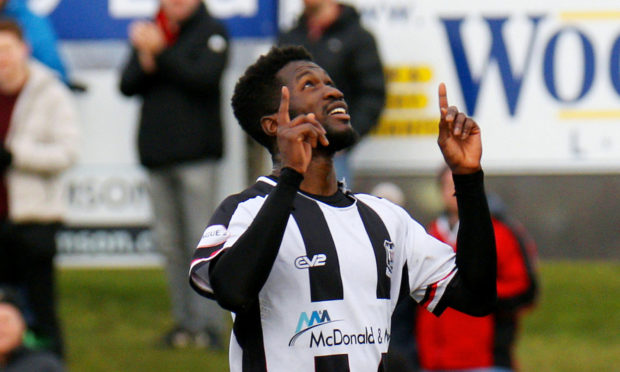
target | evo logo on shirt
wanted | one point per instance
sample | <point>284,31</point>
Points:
<point>303,262</point>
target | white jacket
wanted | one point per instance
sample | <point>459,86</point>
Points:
<point>43,139</point>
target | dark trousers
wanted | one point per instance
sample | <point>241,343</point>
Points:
<point>27,263</point>
<point>402,353</point>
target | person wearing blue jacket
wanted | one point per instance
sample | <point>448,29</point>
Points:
<point>38,32</point>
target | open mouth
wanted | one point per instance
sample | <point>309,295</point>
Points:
<point>339,112</point>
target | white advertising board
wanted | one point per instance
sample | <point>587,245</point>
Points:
<point>542,78</point>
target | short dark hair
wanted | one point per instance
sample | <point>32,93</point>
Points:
<point>258,91</point>
<point>10,25</point>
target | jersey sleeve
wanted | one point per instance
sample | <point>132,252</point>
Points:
<point>223,230</point>
<point>431,265</point>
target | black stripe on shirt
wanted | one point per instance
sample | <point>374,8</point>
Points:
<point>325,281</point>
<point>381,244</point>
<point>249,335</point>
<point>383,363</point>
<point>332,363</point>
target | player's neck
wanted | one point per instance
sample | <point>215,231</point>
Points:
<point>320,178</point>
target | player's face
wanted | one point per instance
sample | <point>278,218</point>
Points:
<point>179,10</point>
<point>313,91</point>
<point>12,328</point>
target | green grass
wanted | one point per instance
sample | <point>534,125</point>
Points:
<point>114,318</point>
<point>576,326</point>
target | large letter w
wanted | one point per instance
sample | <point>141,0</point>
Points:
<point>470,85</point>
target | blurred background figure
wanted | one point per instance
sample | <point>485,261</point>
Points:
<point>14,355</point>
<point>458,342</point>
<point>389,191</point>
<point>333,34</point>
<point>40,135</point>
<point>38,33</point>
<point>176,66</point>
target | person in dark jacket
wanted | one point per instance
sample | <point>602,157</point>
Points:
<point>176,65</point>
<point>14,356</point>
<point>332,33</point>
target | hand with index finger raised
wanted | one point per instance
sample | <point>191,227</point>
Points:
<point>283,115</point>
<point>298,137</point>
<point>459,137</point>
<point>443,100</point>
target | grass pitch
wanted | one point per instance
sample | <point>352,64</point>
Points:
<point>113,320</point>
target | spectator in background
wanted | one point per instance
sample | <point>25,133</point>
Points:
<point>176,66</point>
<point>459,342</point>
<point>332,33</point>
<point>39,34</point>
<point>39,133</point>
<point>14,355</point>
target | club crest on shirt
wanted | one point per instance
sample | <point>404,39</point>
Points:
<point>389,257</point>
<point>213,236</point>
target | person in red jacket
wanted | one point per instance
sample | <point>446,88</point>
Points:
<point>459,342</point>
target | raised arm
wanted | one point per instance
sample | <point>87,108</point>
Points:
<point>239,273</point>
<point>473,289</point>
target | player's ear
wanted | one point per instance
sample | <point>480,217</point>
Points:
<point>269,123</point>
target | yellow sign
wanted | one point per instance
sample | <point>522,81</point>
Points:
<point>408,74</point>
<point>406,101</point>
<point>422,126</point>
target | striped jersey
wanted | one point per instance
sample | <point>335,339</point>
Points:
<point>328,300</point>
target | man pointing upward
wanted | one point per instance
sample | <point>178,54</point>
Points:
<point>333,313</point>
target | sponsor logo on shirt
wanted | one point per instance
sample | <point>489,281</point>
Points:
<point>315,325</point>
<point>304,262</point>
<point>307,322</point>
<point>337,337</point>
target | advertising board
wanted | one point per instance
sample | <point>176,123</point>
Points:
<point>541,78</point>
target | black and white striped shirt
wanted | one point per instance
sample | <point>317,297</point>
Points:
<point>330,292</point>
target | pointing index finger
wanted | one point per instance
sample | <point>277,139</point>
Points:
<point>443,99</point>
<point>283,115</point>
